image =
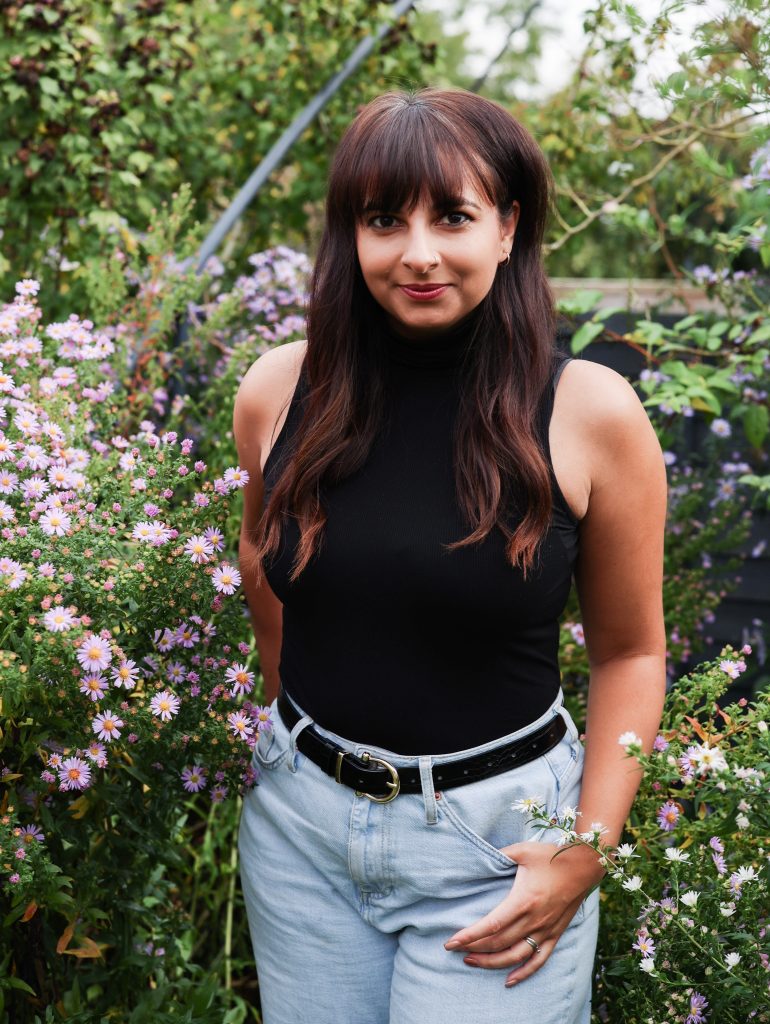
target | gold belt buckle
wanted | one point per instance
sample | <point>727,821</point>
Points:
<point>394,784</point>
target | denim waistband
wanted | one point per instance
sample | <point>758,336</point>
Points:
<point>401,760</point>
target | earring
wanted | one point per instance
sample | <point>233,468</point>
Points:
<point>506,261</point>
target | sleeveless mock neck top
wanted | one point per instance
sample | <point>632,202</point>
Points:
<point>390,640</point>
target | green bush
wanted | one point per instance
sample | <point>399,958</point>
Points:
<point>108,108</point>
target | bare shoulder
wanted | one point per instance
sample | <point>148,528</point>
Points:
<point>601,436</point>
<point>600,398</point>
<point>272,372</point>
<point>263,398</point>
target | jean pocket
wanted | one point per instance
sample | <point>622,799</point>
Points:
<point>272,746</point>
<point>483,812</point>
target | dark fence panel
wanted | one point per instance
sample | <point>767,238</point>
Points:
<point>743,615</point>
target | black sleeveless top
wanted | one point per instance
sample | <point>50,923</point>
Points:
<point>389,639</point>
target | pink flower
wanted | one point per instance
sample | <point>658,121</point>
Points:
<point>94,654</point>
<point>74,773</point>
<point>164,705</point>
<point>236,478</point>
<point>240,724</point>
<point>125,674</point>
<point>242,680</point>
<point>226,579</point>
<point>94,685</point>
<point>107,726</point>
<point>199,549</point>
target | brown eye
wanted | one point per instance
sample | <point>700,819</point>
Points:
<point>382,220</point>
<point>457,218</point>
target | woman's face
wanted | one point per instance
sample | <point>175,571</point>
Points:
<point>429,268</point>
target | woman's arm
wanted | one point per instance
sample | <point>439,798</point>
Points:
<point>263,393</point>
<point>619,579</point>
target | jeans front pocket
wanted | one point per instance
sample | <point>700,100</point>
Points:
<point>272,746</point>
<point>482,812</point>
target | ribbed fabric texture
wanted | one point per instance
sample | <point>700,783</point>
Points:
<point>388,638</point>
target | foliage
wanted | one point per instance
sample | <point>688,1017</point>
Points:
<point>517,28</point>
<point>107,108</point>
<point>125,665</point>
<point>685,934</point>
<point>650,170</point>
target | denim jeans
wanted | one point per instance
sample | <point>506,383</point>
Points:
<point>350,902</point>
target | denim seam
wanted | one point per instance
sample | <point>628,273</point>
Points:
<point>460,826</point>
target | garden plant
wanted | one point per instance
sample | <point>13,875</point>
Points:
<point>129,682</point>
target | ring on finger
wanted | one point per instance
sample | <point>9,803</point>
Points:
<point>531,942</point>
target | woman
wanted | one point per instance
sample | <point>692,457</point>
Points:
<point>427,474</point>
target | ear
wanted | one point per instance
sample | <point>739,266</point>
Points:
<point>508,225</point>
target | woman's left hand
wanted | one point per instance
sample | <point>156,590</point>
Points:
<point>546,893</point>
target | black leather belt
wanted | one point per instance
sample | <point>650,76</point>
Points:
<point>380,781</point>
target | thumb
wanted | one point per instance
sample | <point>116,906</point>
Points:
<point>516,851</point>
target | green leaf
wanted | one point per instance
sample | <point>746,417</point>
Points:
<point>584,335</point>
<point>605,314</point>
<point>49,86</point>
<point>128,178</point>
<point>22,986</point>
<point>756,421</point>
<point>580,302</point>
<point>761,334</point>
<point>141,160</point>
<point>683,325</point>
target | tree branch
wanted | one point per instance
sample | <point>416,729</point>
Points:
<point>479,83</point>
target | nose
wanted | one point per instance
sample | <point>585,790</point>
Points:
<point>419,255</point>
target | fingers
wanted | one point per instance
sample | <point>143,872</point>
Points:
<point>520,956</point>
<point>506,949</point>
<point>483,931</point>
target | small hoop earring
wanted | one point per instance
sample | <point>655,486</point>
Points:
<point>506,261</point>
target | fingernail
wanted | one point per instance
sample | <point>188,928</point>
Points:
<point>470,961</point>
<point>452,944</point>
<point>511,982</point>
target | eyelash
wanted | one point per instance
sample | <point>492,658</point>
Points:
<point>452,213</point>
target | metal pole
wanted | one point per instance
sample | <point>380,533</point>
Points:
<point>279,150</point>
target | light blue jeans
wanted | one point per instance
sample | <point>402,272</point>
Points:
<point>350,902</point>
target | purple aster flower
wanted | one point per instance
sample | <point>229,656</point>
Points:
<point>262,717</point>
<point>698,1004</point>
<point>716,844</point>
<point>668,816</point>
<point>107,726</point>
<point>660,743</point>
<point>719,863</point>
<point>75,773</point>
<point>644,943</point>
<point>31,834</point>
<point>15,878</point>
<point>194,779</point>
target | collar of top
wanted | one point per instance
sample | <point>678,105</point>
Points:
<point>434,352</point>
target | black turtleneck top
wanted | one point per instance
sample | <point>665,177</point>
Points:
<point>388,639</point>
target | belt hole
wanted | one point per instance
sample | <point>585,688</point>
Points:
<point>440,777</point>
<point>465,772</point>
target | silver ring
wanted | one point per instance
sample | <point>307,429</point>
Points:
<point>531,942</point>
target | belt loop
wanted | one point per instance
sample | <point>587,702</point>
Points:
<point>428,791</point>
<point>303,723</point>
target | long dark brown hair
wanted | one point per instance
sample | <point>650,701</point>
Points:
<point>403,148</point>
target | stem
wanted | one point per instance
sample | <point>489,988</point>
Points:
<point>231,905</point>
